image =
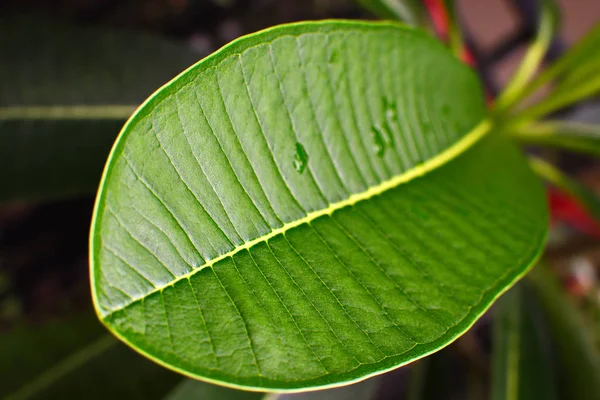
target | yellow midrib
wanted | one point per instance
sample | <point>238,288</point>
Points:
<point>57,112</point>
<point>442,158</point>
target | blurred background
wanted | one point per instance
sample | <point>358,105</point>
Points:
<point>100,59</point>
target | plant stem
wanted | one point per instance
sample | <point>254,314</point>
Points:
<point>556,101</point>
<point>574,136</point>
<point>575,57</point>
<point>66,366</point>
<point>455,37</point>
<point>514,91</point>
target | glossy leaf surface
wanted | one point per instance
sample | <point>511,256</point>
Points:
<point>311,205</point>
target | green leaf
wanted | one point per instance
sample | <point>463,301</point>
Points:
<point>558,99</point>
<point>190,389</point>
<point>575,348</point>
<point>516,89</point>
<point>576,136</point>
<point>522,365</point>
<point>410,12</point>
<point>365,390</point>
<point>586,197</point>
<point>74,358</point>
<point>305,208</point>
<point>576,75</point>
<point>455,35</point>
<point>62,102</point>
<point>580,56</point>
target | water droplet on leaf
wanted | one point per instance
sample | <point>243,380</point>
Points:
<point>300,158</point>
<point>378,141</point>
<point>389,108</point>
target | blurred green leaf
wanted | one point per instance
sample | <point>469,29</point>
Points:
<point>576,75</point>
<point>455,36</point>
<point>553,175</point>
<point>522,367</point>
<point>438,376</point>
<point>576,136</point>
<point>582,56</point>
<point>517,88</point>
<point>579,359</point>
<point>63,101</point>
<point>411,12</point>
<point>75,359</point>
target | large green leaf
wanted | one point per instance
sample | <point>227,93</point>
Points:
<point>63,101</point>
<point>306,208</point>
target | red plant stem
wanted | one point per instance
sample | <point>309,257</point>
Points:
<point>439,16</point>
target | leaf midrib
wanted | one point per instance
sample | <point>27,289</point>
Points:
<point>440,159</point>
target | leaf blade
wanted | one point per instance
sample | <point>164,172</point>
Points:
<point>281,268</point>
